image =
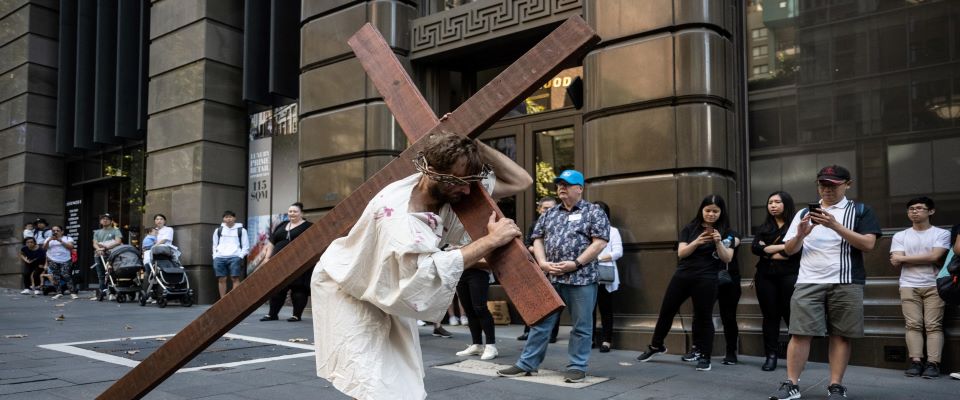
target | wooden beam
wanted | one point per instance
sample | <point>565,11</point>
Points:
<point>568,42</point>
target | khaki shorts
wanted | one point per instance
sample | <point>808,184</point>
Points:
<point>827,309</point>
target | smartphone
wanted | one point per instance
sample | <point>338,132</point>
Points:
<point>708,230</point>
<point>814,207</point>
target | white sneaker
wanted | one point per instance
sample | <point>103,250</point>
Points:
<point>454,321</point>
<point>25,291</point>
<point>36,292</point>
<point>74,296</point>
<point>58,296</point>
<point>66,292</point>
<point>420,323</point>
<point>489,352</point>
<point>94,298</point>
<point>473,350</point>
<point>464,321</point>
<point>955,375</point>
<point>111,297</point>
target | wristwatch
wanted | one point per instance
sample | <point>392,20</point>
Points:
<point>576,263</point>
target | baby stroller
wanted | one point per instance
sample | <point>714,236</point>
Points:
<point>166,278</point>
<point>123,268</point>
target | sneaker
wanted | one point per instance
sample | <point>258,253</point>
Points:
<point>770,364</point>
<point>489,352</point>
<point>836,392</point>
<point>36,292</point>
<point>513,371</point>
<point>651,351</point>
<point>74,296</point>
<point>58,296</point>
<point>574,376</point>
<point>693,355</point>
<point>787,391</point>
<point>552,340</point>
<point>931,371</point>
<point>955,375</point>
<point>605,347</point>
<point>112,297</point>
<point>464,321</point>
<point>66,291</point>
<point>730,359</point>
<point>453,321</point>
<point>704,364</point>
<point>523,336</point>
<point>420,323</point>
<point>439,331</point>
<point>25,291</point>
<point>915,369</point>
<point>472,350</point>
<point>94,298</point>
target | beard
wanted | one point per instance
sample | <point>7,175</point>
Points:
<point>444,197</point>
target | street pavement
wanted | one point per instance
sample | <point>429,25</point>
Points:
<point>124,333</point>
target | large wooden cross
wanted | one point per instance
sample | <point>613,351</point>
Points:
<point>523,281</point>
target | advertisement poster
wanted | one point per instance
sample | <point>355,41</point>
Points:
<point>72,227</point>
<point>258,201</point>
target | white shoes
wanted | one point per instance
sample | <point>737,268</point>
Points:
<point>955,375</point>
<point>489,352</point>
<point>58,296</point>
<point>472,350</point>
<point>25,291</point>
<point>112,297</point>
<point>36,292</point>
<point>420,323</point>
<point>453,321</point>
<point>464,321</point>
<point>74,296</point>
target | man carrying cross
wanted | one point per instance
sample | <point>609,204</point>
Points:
<point>401,262</point>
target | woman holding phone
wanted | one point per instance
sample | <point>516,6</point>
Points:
<point>702,255</point>
<point>776,272</point>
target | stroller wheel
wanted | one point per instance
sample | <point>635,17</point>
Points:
<point>143,298</point>
<point>121,298</point>
<point>162,302</point>
<point>187,299</point>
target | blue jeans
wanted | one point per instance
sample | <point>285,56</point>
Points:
<point>101,272</point>
<point>580,302</point>
<point>227,266</point>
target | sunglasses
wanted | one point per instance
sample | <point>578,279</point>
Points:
<point>452,180</point>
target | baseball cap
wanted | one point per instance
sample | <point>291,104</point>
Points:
<point>107,216</point>
<point>571,177</point>
<point>834,174</point>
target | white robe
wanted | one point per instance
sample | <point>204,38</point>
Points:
<point>370,287</point>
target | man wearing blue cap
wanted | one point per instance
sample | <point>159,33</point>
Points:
<point>566,242</point>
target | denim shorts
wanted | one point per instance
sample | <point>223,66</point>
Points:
<point>223,266</point>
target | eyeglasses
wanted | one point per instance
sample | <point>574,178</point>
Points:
<point>421,163</point>
<point>917,209</point>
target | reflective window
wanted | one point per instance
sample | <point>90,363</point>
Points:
<point>871,85</point>
<point>553,153</point>
<point>508,146</point>
<point>552,95</point>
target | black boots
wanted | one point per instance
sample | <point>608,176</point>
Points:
<point>770,364</point>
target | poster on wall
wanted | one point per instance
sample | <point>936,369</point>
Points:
<point>72,227</point>
<point>266,127</point>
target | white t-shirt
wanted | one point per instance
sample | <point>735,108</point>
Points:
<point>914,243</point>
<point>56,252</point>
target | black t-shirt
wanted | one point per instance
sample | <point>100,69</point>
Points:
<point>704,261</point>
<point>769,236</point>
<point>281,238</point>
<point>953,235</point>
<point>38,256</point>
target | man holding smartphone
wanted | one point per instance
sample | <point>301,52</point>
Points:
<point>828,298</point>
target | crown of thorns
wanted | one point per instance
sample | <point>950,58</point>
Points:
<point>421,163</point>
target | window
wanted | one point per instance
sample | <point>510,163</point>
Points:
<point>761,69</point>
<point>759,33</point>
<point>760,51</point>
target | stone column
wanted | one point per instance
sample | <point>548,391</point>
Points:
<point>346,131</point>
<point>660,133</point>
<point>31,172</point>
<point>197,126</point>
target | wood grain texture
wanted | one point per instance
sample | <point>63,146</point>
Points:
<point>567,43</point>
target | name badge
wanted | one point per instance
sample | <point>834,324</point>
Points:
<point>574,217</point>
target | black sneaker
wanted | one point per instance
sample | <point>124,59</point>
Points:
<point>836,391</point>
<point>651,351</point>
<point>770,364</point>
<point>703,364</point>
<point>440,332</point>
<point>522,337</point>
<point>513,371</point>
<point>931,371</point>
<point>730,359</point>
<point>693,355</point>
<point>915,369</point>
<point>787,391</point>
<point>574,376</point>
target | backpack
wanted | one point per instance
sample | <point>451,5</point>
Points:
<point>239,235</point>
<point>948,281</point>
<point>857,217</point>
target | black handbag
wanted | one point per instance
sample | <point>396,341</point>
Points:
<point>724,277</point>
<point>948,287</point>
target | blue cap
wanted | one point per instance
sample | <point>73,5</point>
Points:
<point>571,177</point>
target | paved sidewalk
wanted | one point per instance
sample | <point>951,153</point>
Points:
<point>31,372</point>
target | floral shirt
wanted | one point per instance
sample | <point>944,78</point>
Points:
<point>567,233</point>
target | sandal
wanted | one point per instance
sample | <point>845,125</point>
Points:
<point>293,319</point>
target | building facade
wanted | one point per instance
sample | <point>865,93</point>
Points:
<point>682,98</point>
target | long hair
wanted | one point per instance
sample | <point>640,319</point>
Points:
<point>789,209</point>
<point>723,223</point>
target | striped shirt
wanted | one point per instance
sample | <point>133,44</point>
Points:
<point>827,257</point>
